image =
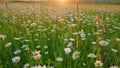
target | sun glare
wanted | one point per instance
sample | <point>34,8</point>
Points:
<point>62,0</point>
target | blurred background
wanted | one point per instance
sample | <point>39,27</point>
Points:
<point>71,1</point>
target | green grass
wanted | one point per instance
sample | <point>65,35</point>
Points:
<point>48,31</point>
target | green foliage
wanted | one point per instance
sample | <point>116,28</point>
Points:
<point>53,30</point>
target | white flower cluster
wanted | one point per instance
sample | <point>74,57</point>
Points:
<point>82,35</point>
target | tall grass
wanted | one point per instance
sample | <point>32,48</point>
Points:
<point>51,30</point>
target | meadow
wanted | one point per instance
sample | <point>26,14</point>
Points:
<point>40,35</point>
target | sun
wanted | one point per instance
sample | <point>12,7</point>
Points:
<point>62,0</point>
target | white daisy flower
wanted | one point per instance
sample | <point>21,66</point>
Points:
<point>17,52</point>
<point>44,66</point>
<point>82,35</point>
<point>65,39</point>
<point>91,55</point>
<point>98,63</point>
<point>67,50</point>
<point>25,47</point>
<point>33,24</point>
<point>2,37</point>
<point>38,46</point>
<point>114,67</point>
<point>114,50</point>
<point>117,39</point>
<point>69,44</point>
<point>17,38</point>
<point>84,64</point>
<point>26,65</point>
<point>45,47</point>
<point>93,42</point>
<point>75,55</point>
<point>59,59</point>
<point>72,39</point>
<point>36,54</point>
<point>103,43</point>
<point>51,67</point>
<point>16,59</point>
<point>36,66</point>
<point>46,52</point>
<point>8,44</point>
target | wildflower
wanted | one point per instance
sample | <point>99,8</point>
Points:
<point>36,54</point>
<point>114,67</point>
<point>8,44</point>
<point>25,47</point>
<point>91,55</point>
<point>45,29</point>
<point>82,35</point>
<point>103,43</point>
<point>59,59</point>
<point>114,50</point>
<point>67,50</point>
<point>44,66</point>
<point>17,52</point>
<point>38,46</point>
<point>17,38</point>
<point>93,42</point>
<point>27,40</point>
<point>65,39</point>
<point>89,33</point>
<point>45,47</point>
<point>33,24</point>
<point>83,38</point>
<point>39,66</point>
<point>75,55</point>
<point>82,31</point>
<point>73,25</point>
<point>48,39</point>
<point>16,59</point>
<point>26,65</point>
<point>72,39</point>
<point>75,33</point>
<point>53,30</point>
<point>98,63</point>
<point>69,44</point>
<point>51,67</point>
<point>46,52</point>
<point>117,39</point>
<point>39,26</point>
<point>36,39</point>
<point>84,64</point>
<point>2,37</point>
